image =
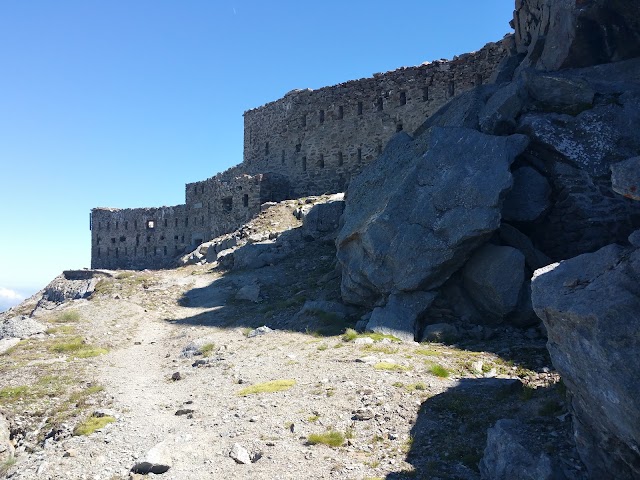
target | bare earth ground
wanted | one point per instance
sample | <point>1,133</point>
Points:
<point>399,419</point>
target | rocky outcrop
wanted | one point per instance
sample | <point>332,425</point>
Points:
<point>590,306</point>
<point>20,327</point>
<point>413,218</point>
<point>400,315</point>
<point>625,178</point>
<point>557,34</point>
<point>71,285</point>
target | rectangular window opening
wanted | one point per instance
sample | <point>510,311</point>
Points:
<point>151,224</point>
<point>452,88</point>
<point>399,128</point>
<point>227,204</point>
<point>380,104</point>
<point>425,94</point>
<point>321,116</point>
<point>340,159</point>
<point>403,98</point>
<point>304,120</point>
<point>266,148</point>
<point>359,155</point>
<point>359,108</point>
<point>304,164</point>
<point>245,200</point>
<point>321,161</point>
<point>340,112</point>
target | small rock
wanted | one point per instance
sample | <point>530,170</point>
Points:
<point>477,366</point>
<point>157,460</point>
<point>70,453</point>
<point>363,341</point>
<point>184,411</point>
<point>240,454</point>
<point>176,376</point>
<point>264,330</point>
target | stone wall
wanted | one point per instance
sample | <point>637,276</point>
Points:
<point>307,143</point>
<point>138,238</point>
<point>321,138</point>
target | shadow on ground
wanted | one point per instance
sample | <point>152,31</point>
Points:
<point>450,432</point>
<point>306,274</point>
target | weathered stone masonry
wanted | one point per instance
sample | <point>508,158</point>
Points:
<point>307,143</point>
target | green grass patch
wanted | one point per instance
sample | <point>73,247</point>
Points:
<point>92,424</point>
<point>62,329</point>
<point>322,347</point>
<point>13,393</point>
<point>207,349</point>
<point>77,348</point>
<point>428,352</point>
<point>350,335</point>
<point>6,465</point>
<point>313,418</point>
<point>330,438</point>
<point>68,317</point>
<point>391,367</point>
<point>388,349</point>
<point>267,387</point>
<point>439,371</point>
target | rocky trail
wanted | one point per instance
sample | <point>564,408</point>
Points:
<point>181,352</point>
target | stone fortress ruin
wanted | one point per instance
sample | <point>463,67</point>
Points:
<point>309,142</point>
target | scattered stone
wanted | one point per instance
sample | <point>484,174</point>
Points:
<point>184,411</point>
<point>240,454</point>
<point>176,376</point>
<point>194,348</point>
<point>157,460</point>
<point>70,453</point>
<point>363,341</point>
<point>264,330</point>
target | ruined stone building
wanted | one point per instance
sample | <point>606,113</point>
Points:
<point>307,143</point>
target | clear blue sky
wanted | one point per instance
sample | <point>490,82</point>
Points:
<point>121,103</point>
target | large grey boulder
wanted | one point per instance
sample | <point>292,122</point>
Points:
<point>590,306</point>
<point>557,34</point>
<point>529,197</point>
<point>323,219</point>
<point>508,455</point>
<point>412,218</point>
<point>494,277</point>
<point>625,178</point>
<point>400,315</point>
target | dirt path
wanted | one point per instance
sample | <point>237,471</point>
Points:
<point>393,413</point>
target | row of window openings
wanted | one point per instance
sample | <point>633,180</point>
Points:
<point>135,251</point>
<point>227,204</point>
<point>339,155</point>
<point>451,91</point>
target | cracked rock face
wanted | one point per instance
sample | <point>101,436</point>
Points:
<point>413,218</point>
<point>589,305</point>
